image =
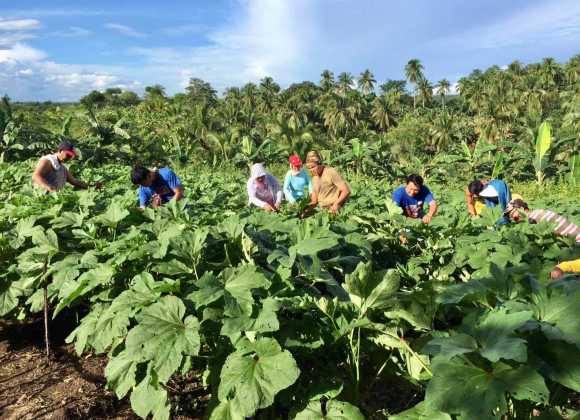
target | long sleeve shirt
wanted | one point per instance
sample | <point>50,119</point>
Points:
<point>268,192</point>
<point>294,185</point>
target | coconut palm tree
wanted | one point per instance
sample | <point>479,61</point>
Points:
<point>425,91</point>
<point>366,82</point>
<point>383,112</point>
<point>327,80</point>
<point>345,82</point>
<point>443,87</point>
<point>414,73</point>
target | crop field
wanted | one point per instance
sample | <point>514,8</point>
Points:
<point>208,307</point>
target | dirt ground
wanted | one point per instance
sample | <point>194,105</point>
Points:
<point>64,387</point>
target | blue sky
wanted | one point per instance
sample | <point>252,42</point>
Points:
<point>64,51</point>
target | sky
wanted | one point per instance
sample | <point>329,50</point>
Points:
<point>64,51</point>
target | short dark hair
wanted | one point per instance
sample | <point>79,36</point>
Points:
<point>139,174</point>
<point>415,179</point>
<point>475,187</point>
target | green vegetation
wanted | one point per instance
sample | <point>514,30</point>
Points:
<point>327,317</point>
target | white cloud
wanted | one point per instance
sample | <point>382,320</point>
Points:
<point>540,25</point>
<point>267,38</point>
<point>18,24</point>
<point>13,38</point>
<point>125,30</point>
<point>20,53</point>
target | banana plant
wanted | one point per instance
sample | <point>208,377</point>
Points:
<point>543,143</point>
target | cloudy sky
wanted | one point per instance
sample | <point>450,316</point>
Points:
<point>63,52</point>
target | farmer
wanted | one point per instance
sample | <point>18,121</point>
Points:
<point>562,226</point>
<point>565,267</point>
<point>263,189</point>
<point>51,175</point>
<point>412,196</point>
<point>296,181</point>
<point>330,190</point>
<point>156,187</point>
<point>493,193</point>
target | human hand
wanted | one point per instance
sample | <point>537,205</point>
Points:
<point>427,219</point>
<point>155,201</point>
<point>556,273</point>
<point>335,208</point>
<point>268,208</point>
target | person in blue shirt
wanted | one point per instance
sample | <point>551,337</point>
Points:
<point>412,196</point>
<point>296,181</point>
<point>156,187</point>
<point>494,193</point>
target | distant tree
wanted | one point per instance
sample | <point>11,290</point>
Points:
<point>95,98</point>
<point>201,92</point>
<point>397,85</point>
<point>414,73</point>
<point>425,91</point>
<point>128,98</point>
<point>443,87</point>
<point>327,80</point>
<point>345,82</point>
<point>155,91</point>
<point>366,82</point>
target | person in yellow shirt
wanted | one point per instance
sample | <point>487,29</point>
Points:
<point>565,267</point>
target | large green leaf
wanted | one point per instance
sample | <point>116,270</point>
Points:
<point>150,397</point>
<point>495,333</point>
<point>114,214</point>
<point>239,283</point>
<point>332,410</point>
<point>557,310</point>
<point>120,373</point>
<point>371,290</point>
<point>543,142</point>
<point>420,412</point>
<point>265,321</point>
<point>255,373</point>
<point>459,388</point>
<point>163,336</point>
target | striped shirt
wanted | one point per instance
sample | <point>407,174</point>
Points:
<point>562,226</point>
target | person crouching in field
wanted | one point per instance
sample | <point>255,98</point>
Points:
<point>263,189</point>
<point>562,226</point>
<point>329,189</point>
<point>296,181</point>
<point>51,175</point>
<point>156,187</point>
<point>412,196</point>
<point>494,193</point>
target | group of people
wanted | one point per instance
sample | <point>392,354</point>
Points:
<point>324,187</point>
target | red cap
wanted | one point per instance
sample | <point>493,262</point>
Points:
<point>295,160</point>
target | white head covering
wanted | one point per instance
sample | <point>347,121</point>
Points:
<point>257,171</point>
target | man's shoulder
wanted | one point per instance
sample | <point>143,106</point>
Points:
<point>165,171</point>
<point>399,192</point>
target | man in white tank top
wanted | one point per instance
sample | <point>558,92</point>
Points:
<point>51,174</point>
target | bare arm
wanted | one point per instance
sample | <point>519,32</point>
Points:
<point>432,211</point>
<point>39,176</point>
<point>343,195</point>
<point>178,193</point>
<point>75,182</point>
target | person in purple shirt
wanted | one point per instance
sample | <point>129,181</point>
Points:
<point>156,187</point>
<point>264,189</point>
<point>412,196</point>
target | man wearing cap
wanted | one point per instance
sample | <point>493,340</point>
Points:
<point>330,190</point>
<point>296,181</point>
<point>51,174</point>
